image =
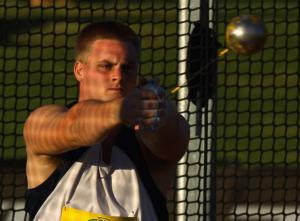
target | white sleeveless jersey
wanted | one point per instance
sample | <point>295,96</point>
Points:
<point>92,186</point>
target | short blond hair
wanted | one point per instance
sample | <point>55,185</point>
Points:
<point>103,30</point>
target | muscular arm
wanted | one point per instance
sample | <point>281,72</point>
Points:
<point>169,141</point>
<point>52,129</point>
<point>164,146</point>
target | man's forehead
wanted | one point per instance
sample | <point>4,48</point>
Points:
<point>114,48</point>
<point>113,43</point>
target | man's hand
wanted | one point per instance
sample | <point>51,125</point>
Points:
<point>145,107</point>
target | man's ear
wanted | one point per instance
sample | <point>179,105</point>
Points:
<point>79,70</point>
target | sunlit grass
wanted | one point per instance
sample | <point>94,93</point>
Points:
<point>258,96</point>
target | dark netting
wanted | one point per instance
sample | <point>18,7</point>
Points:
<point>242,161</point>
<point>258,118</point>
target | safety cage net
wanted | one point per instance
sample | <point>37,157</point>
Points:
<point>242,161</point>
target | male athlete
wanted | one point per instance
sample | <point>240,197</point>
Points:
<point>112,154</point>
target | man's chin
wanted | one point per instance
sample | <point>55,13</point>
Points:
<point>114,97</point>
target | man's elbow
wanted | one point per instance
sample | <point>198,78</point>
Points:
<point>182,141</point>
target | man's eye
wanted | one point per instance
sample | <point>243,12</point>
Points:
<point>105,67</point>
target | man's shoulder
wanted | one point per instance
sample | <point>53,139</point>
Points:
<point>50,108</point>
<point>43,113</point>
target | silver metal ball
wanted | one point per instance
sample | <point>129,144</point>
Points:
<point>246,34</point>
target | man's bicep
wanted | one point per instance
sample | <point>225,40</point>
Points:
<point>46,130</point>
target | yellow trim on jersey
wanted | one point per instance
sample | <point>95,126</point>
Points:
<point>71,214</point>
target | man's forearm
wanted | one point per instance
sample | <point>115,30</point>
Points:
<point>52,129</point>
<point>168,142</point>
<point>93,119</point>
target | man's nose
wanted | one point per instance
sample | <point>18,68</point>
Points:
<point>117,74</point>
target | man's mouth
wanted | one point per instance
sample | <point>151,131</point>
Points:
<point>115,89</point>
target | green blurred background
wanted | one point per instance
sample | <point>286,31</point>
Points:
<point>257,97</point>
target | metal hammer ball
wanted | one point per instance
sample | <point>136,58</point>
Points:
<point>246,34</point>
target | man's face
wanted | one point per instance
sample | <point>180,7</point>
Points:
<point>110,70</point>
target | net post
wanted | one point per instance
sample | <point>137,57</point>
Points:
<point>183,31</point>
<point>201,138</point>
